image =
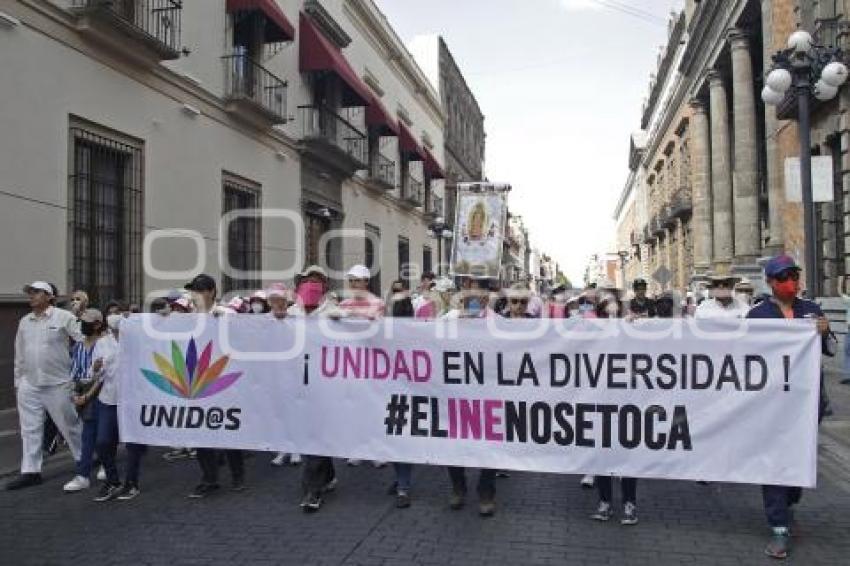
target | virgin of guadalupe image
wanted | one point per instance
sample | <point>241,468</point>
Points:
<point>477,222</point>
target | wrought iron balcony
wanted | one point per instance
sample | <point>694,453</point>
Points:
<point>382,171</point>
<point>252,91</point>
<point>144,29</point>
<point>414,193</point>
<point>332,138</point>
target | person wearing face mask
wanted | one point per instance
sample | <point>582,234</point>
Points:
<point>782,275</point>
<point>277,302</point>
<point>204,294</point>
<point>474,303</point>
<point>722,302</point>
<point>258,303</point>
<point>313,299</point>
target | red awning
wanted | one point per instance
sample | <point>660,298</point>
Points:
<point>432,166</point>
<point>278,26</point>
<point>408,144</point>
<point>378,117</point>
<point>317,53</point>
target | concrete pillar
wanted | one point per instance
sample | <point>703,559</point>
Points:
<point>721,174</point>
<point>701,223</point>
<point>746,186</point>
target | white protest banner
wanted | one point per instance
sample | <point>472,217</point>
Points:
<point>715,400</point>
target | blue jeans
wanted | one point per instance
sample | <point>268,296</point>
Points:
<point>107,439</point>
<point>778,500</point>
<point>403,476</point>
<point>88,441</point>
<point>134,462</point>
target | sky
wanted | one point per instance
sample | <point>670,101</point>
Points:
<point>561,84</point>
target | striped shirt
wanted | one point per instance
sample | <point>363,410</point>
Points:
<point>81,360</point>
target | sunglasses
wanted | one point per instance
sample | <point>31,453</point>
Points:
<point>519,301</point>
<point>792,274</point>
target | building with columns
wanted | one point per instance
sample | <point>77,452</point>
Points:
<point>710,176</point>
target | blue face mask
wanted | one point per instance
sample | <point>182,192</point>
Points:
<point>474,306</point>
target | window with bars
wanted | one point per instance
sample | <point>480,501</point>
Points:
<point>244,235</point>
<point>427,259</point>
<point>105,220</point>
<point>404,267</point>
<point>372,259</point>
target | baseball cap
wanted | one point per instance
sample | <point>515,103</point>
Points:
<point>639,284</point>
<point>276,290</point>
<point>259,296</point>
<point>777,265</point>
<point>39,286</point>
<point>358,272</point>
<point>202,282</point>
<point>91,315</point>
<point>311,270</point>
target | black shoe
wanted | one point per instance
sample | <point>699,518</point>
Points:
<point>457,500</point>
<point>24,481</point>
<point>203,490</point>
<point>503,474</point>
<point>238,484</point>
<point>311,503</point>
<point>128,491</point>
<point>108,492</point>
<point>402,500</point>
<point>393,489</point>
<point>487,508</point>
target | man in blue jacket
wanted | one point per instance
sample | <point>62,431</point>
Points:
<point>783,276</point>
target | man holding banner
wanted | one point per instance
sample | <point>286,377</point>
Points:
<point>783,276</point>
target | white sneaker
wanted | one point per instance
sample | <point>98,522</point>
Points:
<point>101,474</point>
<point>378,464</point>
<point>295,459</point>
<point>79,483</point>
<point>588,481</point>
<point>278,460</point>
<point>353,462</point>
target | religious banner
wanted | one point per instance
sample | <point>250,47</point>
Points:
<point>714,400</point>
<point>479,231</point>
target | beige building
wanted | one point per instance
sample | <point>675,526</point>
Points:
<point>130,129</point>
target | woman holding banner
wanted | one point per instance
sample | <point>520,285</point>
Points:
<point>474,303</point>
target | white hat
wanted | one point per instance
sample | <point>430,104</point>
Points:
<point>313,269</point>
<point>39,286</point>
<point>261,295</point>
<point>444,285</point>
<point>358,272</point>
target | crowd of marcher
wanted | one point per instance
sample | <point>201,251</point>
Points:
<point>66,370</point>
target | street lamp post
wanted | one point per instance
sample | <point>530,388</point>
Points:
<point>624,256</point>
<point>440,230</point>
<point>806,70</point>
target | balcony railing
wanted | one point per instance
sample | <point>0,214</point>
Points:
<point>321,123</point>
<point>247,81</point>
<point>414,194</point>
<point>383,171</point>
<point>831,32</point>
<point>158,21</point>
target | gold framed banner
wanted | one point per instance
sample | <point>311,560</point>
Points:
<point>479,230</point>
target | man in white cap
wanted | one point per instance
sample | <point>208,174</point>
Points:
<point>43,379</point>
<point>722,302</point>
<point>359,302</point>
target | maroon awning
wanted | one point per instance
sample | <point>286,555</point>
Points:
<point>408,144</point>
<point>317,53</point>
<point>432,166</point>
<point>278,26</point>
<point>378,117</point>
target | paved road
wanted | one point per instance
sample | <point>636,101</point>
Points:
<point>542,519</point>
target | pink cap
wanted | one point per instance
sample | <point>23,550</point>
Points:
<point>275,290</point>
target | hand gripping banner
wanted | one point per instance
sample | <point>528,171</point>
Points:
<point>712,400</point>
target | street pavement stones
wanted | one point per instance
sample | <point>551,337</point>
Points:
<point>542,519</point>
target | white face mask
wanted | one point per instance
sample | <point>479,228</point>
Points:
<point>257,308</point>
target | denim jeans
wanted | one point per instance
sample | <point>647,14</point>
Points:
<point>134,462</point>
<point>88,440</point>
<point>403,476</point>
<point>778,500</point>
<point>605,486</point>
<point>107,440</point>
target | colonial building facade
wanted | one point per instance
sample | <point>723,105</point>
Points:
<point>130,129</point>
<point>706,190</point>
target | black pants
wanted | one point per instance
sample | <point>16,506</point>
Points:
<point>605,485</point>
<point>318,472</point>
<point>208,460</point>
<point>486,482</point>
<point>778,500</point>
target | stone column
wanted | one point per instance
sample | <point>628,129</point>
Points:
<point>721,174</point>
<point>701,222</point>
<point>774,166</point>
<point>746,186</point>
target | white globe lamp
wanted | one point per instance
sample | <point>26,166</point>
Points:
<point>779,80</point>
<point>800,41</point>
<point>771,97</point>
<point>835,74</point>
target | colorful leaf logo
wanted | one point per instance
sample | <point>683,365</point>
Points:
<point>190,376</point>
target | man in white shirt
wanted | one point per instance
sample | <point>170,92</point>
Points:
<point>722,302</point>
<point>43,379</point>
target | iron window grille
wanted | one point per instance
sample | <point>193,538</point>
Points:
<point>244,236</point>
<point>105,221</point>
